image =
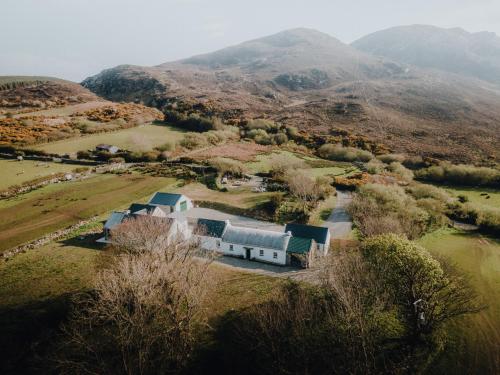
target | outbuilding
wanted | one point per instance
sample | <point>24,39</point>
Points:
<point>320,235</point>
<point>171,202</point>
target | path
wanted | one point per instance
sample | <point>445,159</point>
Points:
<point>339,222</point>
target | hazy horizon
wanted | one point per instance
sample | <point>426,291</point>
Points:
<point>74,41</point>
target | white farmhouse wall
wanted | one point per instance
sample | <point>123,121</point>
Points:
<point>209,243</point>
<point>268,256</point>
<point>177,206</point>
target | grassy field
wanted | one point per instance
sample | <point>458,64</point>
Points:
<point>56,206</point>
<point>17,172</point>
<point>241,198</point>
<point>477,338</point>
<point>318,167</point>
<point>480,196</point>
<point>141,138</point>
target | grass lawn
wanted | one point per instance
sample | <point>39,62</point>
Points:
<point>481,196</point>
<point>476,338</point>
<point>242,198</point>
<point>17,172</point>
<point>140,138</point>
<point>56,206</point>
<point>318,167</point>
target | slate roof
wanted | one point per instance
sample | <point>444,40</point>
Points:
<point>318,234</point>
<point>299,245</point>
<point>115,219</point>
<point>165,199</point>
<point>141,209</point>
<point>211,228</point>
<point>256,238</point>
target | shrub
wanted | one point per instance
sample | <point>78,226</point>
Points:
<point>193,122</point>
<point>279,139</point>
<point>399,170</point>
<point>168,146</point>
<point>391,158</point>
<point>263,124</point>
<point>228,166</point>
<point>193,140</point>
<point>340,153</point>
<point>378,209</point>
<point>374,166</point>
<point>83,155</point>
<point>460,175</point>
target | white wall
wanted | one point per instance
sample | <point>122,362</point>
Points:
<point>239,250</point>
<point>183,198</point>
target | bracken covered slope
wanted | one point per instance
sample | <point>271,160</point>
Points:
<point>308,79</point>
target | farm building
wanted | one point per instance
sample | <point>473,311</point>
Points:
<point>255,244</point>
<point>107,148</point>
<point>171,202</point>
<point>320,235</point>
<point>178,228</point>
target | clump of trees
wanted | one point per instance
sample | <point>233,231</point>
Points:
<point>193,122</point>
<point>338,152</point>
<point>229,166</point>
<point>466,175</point>
<point>268,132</point>
<point>213,137</point>
<point>357,319</point>
<point>378,209</point>
<point>143,312</point>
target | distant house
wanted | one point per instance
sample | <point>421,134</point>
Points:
<point>320,235</point>
<point>171,202</point>
<point>107,148</point>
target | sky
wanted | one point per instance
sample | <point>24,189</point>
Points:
<point>74,39</point>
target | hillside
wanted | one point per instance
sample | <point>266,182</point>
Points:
<point>19,93</point>
<point>450,50</point>
<point>313,81</point>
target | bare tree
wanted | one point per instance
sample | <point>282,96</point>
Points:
<point>142,314</point>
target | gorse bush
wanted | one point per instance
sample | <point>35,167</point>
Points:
<point>340,153</point>
<point>228,166</point>
<point>466,175</point>
<point>193,122</point>
<point>391,158</point>
<point>378,209</point>
<point>401,171</point>
<point>213,137</point>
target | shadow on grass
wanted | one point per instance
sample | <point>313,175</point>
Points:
<point>87,241</point>
<point>27,332</point>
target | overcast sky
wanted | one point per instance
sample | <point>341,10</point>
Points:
<point>73,39</point>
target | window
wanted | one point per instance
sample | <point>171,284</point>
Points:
<point>231,247</point>
<point>261,253</point>
<point>275,255</point>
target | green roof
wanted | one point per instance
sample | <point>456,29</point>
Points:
<point>299,245</point>
<point>165,199</point>
<point>318,234</point>
<point>212,228</point>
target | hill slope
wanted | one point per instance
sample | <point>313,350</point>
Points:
<point>308,79</point>
<point>450,50</point>
<point>19,93</point>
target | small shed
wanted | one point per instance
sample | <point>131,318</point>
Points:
<point>171,202</point>
<point>107,148</point>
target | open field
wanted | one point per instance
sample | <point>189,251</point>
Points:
<point>319,167</point>
<point>242,198</point>
<point>56,206</point>
<point>140,138</point>
<point>17,172</point>
<point>476,338</point>
<point>480,196</point>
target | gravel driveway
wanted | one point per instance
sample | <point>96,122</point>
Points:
<point>339,222</point>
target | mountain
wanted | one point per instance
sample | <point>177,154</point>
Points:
<point>310,80</point>
<point>450,50</point>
